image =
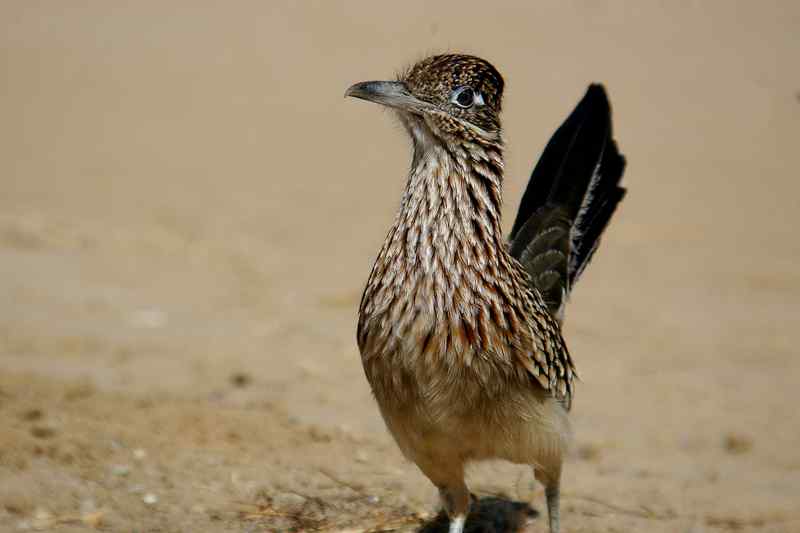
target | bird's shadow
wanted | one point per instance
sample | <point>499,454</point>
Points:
<point>490,514</point>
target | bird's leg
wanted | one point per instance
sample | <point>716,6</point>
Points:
<point>552,495</point>
<point>456,503</point>
<point>551,482</point>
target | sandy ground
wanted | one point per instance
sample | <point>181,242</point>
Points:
<point>189,209</point>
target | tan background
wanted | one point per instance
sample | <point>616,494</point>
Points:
<point>189,208</point>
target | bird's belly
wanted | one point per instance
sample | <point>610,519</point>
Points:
<point>438,417</point>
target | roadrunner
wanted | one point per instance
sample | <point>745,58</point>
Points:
<point>460,328</point>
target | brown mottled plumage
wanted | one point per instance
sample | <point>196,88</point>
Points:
<point>463,353</point>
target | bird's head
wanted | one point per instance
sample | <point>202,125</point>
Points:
<point>455,98</point>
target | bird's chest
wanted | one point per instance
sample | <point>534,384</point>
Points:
<point>423,351</point>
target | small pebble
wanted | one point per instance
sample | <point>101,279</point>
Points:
<point>361,456</point>
<point>149,318</point>
<point>737,444</point>
<point>373,499</point>
<point>150,498</point>
<point>43,432</point>
<point>287,499</point>
<point>120,470</point>
<point>94,519</point>
<point>32,414</point>
<point>41,514</point>
<point>317,434</point>
<point>88,506</point>
<point>589,451</point>
<point>240,379</point>
<point>139,454</point>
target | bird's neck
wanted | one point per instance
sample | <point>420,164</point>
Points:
<point>445,256</point>
<point>450,211</point>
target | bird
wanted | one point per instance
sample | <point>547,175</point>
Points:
<point>459,326</point>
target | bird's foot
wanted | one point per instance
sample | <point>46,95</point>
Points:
<point>457,524</point>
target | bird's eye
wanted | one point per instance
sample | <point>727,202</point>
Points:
<point>464,97</point>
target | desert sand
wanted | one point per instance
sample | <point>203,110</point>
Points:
<point>189,209</point>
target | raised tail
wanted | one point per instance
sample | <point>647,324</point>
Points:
<point>572,194</point>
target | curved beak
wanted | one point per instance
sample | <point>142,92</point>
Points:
<point>389,93</point>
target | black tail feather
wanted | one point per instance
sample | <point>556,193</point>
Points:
<point>597,211</point>
<point>565,167</point>
<point>572,194</point>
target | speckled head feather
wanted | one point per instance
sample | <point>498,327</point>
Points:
<point>438,79</point>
